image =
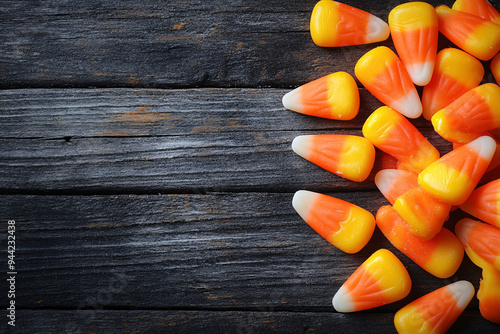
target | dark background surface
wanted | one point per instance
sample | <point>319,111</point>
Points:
<point>145,157</point>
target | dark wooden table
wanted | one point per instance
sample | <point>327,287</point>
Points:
<point>145,159</point>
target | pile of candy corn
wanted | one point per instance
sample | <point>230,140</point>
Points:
<point>425,187</point>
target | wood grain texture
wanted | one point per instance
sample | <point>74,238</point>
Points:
<point>150,141</point>
<point>176,43</point>
<point>246,251</point>
<point>213,322</point>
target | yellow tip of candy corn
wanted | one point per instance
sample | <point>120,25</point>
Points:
<point>334,96</point>
<point>380,280</point>
<point>435,312</point>
<point>351,157</point>
<point>337,24</point>
<point>343,224</point>
<point>453,177</point>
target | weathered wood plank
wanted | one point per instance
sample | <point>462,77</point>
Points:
<point>232,161</point>
<point>167,43</point>
<point>58,113</point>
<point>147,141</point>
<point>244,251</point>
<point>126,321</point>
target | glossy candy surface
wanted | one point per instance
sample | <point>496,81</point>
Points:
<point>424,214</point>
<point>456,72</point>
<point>484,203</point>
<point>334,96</point>
<point>453,177</point>
<point>414,31</point>
<point>392,133</point>
<point>351,157</point>
<point>495,67</point>
<point>483,239</point>
<point>343,224</point>
<point>481,8</point>
<point>470,116</point>
<point>471,33</point>
<point>440,256</point>
<point>394,182</point>
<point>435,312</point>
<point>380,280</point>
<point>384,75</point>
<point>337,24</point>
<point>489,295</point>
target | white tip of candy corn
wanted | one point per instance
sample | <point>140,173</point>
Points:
<point>409,106</point>
<point>342,301</point>
<point>394,182</point>
<point>377,30</point>
<point>300,145</point>
<point>484,146</point>
<point>462,291</point>
<point>421,74</point>
<point>302,201</point>
<point>291,100</point>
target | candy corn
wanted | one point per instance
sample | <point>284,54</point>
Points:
<point>481,238</point>
<point>345,225</point>
<point>484,203</point>
<point>414,31</point>
<point>481,8</point>
<point>392,133</point>
<point>489,295</point>
<point>394,182</point>
<point>471,33</point>
<point>453,177</point>
<point>470,116</point>
<point>495,68</point>
<point>435,312</point>
<point>351,157</point>
<point>440,256</point>
<point>384,75</point>
<point>380,280</point>
<point>424,214</point>
<point>336,24</point>
<point>455,73</point>
<point>334,96</point>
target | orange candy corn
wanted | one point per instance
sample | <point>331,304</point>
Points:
<point>489,295</point>
<point>336,24</point>
<point>392,133</point>
<point>424,214</point>
<point>484,203</point>
<point>351,157</point>
<point>345,225</point>
<point>334,96</point>
<point>414,31</point>
<point>440,256</point>
<point>481,238</point>
<point>394,182</point>
<point>380,280</point>
<point>481,8</point>
<point>384,75</point>
<point>471,33</point>
<point>456,72</point>
<point>435,312</point>
<point>453,177</point>
<point>495,67</point>
<point>471,115</point>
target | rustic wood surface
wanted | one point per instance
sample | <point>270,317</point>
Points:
<point>145,157</point>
